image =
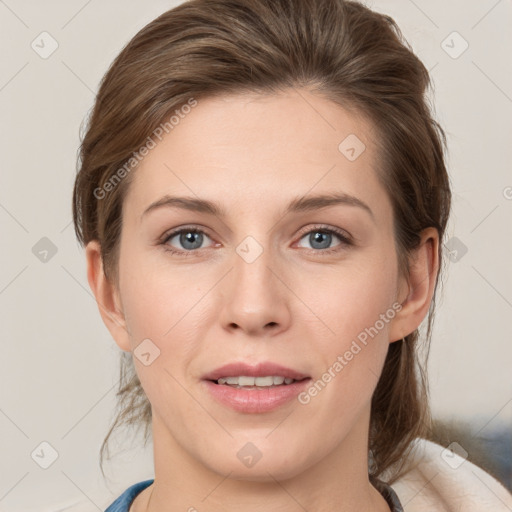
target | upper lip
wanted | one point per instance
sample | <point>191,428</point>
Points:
<point>262,369</point>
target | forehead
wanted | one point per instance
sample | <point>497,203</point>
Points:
<point>249,147</point>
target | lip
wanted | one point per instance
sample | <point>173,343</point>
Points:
<point>262,369</point>
<point>254,401</point>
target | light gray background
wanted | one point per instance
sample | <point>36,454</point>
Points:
<point>58,363</point>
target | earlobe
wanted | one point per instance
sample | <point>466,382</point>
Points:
<point>424,267</point>
<point>107,296</point>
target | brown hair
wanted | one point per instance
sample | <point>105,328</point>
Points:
<point>340,49</point>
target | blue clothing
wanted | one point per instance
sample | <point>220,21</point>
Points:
<point>123,503</point>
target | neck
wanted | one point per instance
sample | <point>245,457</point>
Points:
<point>338,482</point>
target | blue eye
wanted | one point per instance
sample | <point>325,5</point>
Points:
<point>190,239</point>
<point>320,238</point>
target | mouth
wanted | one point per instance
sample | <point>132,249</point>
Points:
<point>254,388</point>
<point>263,374</point>
<point>248,382</point>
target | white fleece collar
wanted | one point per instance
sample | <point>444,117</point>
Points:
<point>446,482</point>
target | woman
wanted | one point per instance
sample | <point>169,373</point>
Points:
<point>263,197</point>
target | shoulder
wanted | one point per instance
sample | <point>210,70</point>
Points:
<point>438,479</point>
<point>121,504</point>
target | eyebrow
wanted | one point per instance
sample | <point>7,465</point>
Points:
<point>297,205</point>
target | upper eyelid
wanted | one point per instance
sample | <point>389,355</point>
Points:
<point>302,232</point>
<point>322,227</point>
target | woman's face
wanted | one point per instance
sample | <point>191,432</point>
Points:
<point>267,279</point>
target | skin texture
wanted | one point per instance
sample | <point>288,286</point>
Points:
<point>294,305</point>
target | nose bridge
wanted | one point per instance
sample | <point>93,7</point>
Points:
<point>255,298</point>
<point>253,263</point>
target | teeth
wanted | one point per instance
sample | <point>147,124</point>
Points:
<point>263,381</point>
<point>244,380</point>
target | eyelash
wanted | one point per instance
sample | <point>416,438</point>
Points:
<point>344,239</point>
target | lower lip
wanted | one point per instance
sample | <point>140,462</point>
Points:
<point>256,400</point>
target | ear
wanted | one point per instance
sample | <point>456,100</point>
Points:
<point>416,295</point>
<point>107,296</point>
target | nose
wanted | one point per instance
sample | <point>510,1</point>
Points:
<point>255,298</point>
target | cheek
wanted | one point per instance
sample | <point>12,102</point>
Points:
<point>158,301</point>
<point>163,307</point>
<point>166,307</point>
<point>349,299</point>
<point>354,310</point>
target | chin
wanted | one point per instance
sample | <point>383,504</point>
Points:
<point>260,472</point>
<point>251,464</point>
